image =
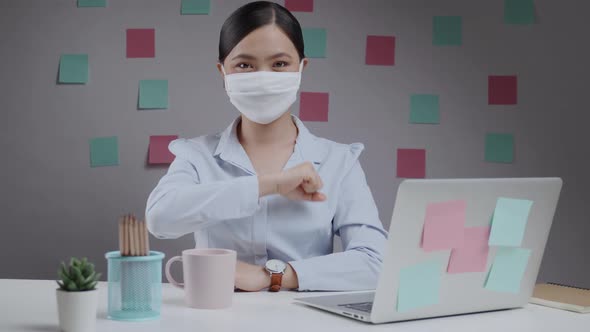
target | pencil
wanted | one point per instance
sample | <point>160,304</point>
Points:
<point>147,240</point>
<point>141,237</point>
<point>121,243</point>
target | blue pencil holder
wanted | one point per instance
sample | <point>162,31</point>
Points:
<point>134,286</point>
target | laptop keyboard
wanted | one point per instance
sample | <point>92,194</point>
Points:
<point>361,306</point>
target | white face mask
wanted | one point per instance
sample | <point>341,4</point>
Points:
<point>263,96</point>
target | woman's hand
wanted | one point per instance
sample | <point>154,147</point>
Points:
<point>301,182</point>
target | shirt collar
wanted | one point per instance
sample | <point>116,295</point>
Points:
<point>230,149</point>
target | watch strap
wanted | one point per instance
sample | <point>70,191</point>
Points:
<point>275,282</point>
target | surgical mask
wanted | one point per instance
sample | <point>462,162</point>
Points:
<point>263,96</point>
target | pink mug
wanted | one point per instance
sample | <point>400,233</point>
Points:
<point>209,276</point>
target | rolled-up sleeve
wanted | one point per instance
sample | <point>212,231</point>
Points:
<point>363,237</point>
<point>181,204</point>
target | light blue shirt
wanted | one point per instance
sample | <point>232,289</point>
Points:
<point>211,189</point>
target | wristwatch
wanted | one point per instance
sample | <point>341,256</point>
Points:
<point>276,268</point>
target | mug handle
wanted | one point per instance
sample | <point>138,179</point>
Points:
<point>169,276</point>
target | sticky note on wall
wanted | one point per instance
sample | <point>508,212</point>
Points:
<point>299,5</point>
<point>509,221</point>
<point>153,94</point>
<point>411,163</point>
<point>314,106</point>
<point>499,148</point>
<point>444,224</point>
<point>141,43</point>
<point>315,40</point>
<point>424,109</point>
<point>519,11</point>
<point>447,30</point>
<point>195,7</point>
<point>73,68</point>
<point>92,3</point>
<point>419,285</point>
<point>380,50</point>
<point>472,256</point>
<point>104,151</point>
<point>507,270</point>
<point>158,149</point>
<point>502,90</point>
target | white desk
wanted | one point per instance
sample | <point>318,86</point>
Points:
<point>30,305</point>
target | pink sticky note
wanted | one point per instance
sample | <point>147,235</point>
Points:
<point>411,163</point>
<point>502,90</point>
<point>141,43</point>
<point>380,50</point>
<point>159,153</point>
<point>313,106</point>
<point>299,5</point>
<point>443,225</point>
<point>473,255</point>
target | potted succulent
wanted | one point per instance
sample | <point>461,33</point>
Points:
<point>77,296</point>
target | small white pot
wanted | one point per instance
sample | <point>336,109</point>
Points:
<point>77,310</point>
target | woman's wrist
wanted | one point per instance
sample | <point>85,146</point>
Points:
<point>268,185</point>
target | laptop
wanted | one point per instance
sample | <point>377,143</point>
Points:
<point>457,293</point>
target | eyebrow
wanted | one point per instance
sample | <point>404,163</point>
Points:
<point>251,57</point>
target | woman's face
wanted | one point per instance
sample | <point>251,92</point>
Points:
<point>265,49</point>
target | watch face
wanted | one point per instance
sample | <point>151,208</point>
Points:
<point>275,265</point>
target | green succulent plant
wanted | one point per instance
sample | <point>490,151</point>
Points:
<point>79,276</point>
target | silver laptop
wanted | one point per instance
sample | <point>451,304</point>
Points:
<point>458,293</point>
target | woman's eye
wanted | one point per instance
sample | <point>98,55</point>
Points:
<point>244,66</point>
<point>281,64</point>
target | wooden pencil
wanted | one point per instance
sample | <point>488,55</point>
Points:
<point>125,236</point>
<point>141,237</point>
<point>121,250</point>
<point>133,237</point>
<point>147,239</point>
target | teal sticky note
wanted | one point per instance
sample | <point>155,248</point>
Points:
<point>507,270</point>
<point>519,11</point>
<point>447,30</point>
<point>424,109</point>
<point>73,68</point>
<point>104,151</point>
<point>153,94</point>
<point>92,3</point>
<point>195,7</point>
<point>499,148</point>
<point>419,285</point>
<point>509,221</point>
<point>315,40</point>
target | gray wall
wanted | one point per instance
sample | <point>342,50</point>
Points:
<point>53,205</point>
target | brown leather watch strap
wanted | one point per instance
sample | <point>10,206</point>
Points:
<point>275,282</point>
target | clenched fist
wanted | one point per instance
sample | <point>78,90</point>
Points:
<point>301,182</point>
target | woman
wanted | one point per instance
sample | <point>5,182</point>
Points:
<point>266,187</point>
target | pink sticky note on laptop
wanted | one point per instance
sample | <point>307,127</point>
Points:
<point>443,225</point>
<point>159,153</point>
<point>473,255</point>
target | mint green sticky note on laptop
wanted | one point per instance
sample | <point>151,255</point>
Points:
<point>419,285</point>
<point>509,221</point>
<point>507,270</point>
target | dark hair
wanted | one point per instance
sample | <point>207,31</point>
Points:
<point>254,15</point>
